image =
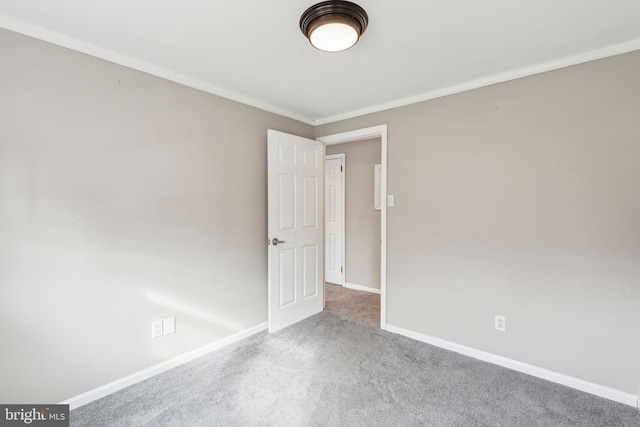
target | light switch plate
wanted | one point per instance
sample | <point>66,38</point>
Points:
<point>391,201</point>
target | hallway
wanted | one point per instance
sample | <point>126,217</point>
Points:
<point>358,306</point>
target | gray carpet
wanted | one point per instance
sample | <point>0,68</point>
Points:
<point>358,306</point>
<point>328,371</point>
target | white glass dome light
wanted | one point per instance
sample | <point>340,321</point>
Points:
<point>334,37</point>
<point>333,26</point>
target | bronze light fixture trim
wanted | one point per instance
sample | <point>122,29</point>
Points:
<point>334,26</point>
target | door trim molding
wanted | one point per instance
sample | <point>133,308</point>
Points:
<point>343,159</point>
<point>379,131</point>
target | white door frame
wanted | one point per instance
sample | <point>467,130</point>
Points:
<point>342,157</point>
<point>359,135</point>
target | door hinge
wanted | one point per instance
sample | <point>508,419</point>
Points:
<point>341,270</point>
<point>340,168</point>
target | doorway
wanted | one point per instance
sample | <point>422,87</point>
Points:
<point>375,134</point>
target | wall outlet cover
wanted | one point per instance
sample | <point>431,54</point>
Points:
<point>156,329</point>
<point>501,323</point>
<point>169,325</point>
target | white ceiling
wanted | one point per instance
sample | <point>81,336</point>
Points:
<point>253,51</point>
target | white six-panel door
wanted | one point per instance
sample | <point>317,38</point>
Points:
<point>295,228</point>
<point>334,221</point>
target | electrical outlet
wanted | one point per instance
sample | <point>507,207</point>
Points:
<point>501,323</point>
<point>156,329</point>
<point>169,325</point>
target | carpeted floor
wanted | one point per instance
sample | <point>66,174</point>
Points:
<point>328,371</point>
<point>358,306</point>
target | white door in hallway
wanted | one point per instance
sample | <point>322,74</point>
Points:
<point>295,228</point>
<point>334,221</point>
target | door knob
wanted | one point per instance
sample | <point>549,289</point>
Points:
<point>275,241</point>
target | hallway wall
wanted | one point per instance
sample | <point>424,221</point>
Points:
<point>362,220</point>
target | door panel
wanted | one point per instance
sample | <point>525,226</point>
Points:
<point>295,209</point>
<point>286,202</point>
<point>310,198</point>
<point>287,263</point>
<point>310,274</point>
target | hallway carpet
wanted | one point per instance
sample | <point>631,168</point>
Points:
<point>358,306</point>
<point>327,371</point>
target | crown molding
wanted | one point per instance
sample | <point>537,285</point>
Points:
<point>491,80</point>
<point>107,55</point>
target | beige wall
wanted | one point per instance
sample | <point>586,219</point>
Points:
<point>521,199</point>
<point>124,199</point>
<point>362,220</point>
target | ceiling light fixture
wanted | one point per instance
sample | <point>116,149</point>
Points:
<point>334,26</point>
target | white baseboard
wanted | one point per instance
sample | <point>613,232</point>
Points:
<point>112,387</point>
<point>582,385</point>
<point>362,288</point>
